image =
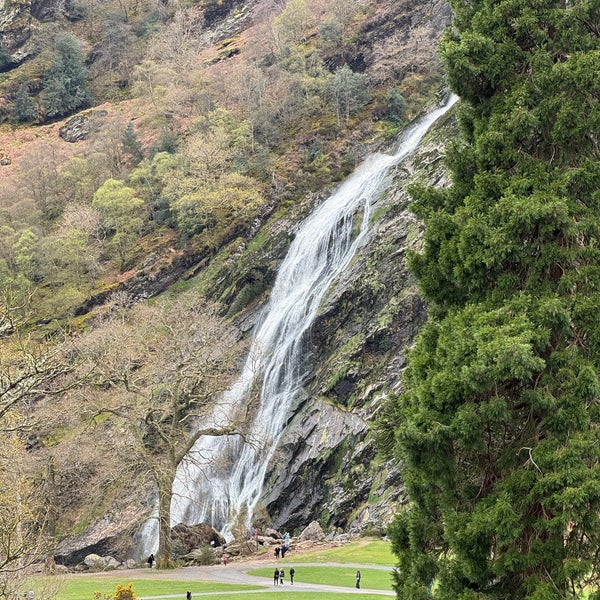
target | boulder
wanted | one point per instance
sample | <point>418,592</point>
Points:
<point>80,127</point>
<point>92,561</point>
<point>273,533</point>
<point>190,537</point>
<point>100,563</point>
<point>313,532</point>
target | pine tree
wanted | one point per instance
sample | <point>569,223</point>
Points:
<point>132,145</point>
<point>65,87</point>
<point>498,427</point>
<point>23,108</point>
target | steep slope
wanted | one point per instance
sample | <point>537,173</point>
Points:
<point>326,473</point>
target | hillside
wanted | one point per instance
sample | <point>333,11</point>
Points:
<point>206,132</point>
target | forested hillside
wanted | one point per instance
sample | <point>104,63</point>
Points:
<point>164,151</point>
<point>187,144</point>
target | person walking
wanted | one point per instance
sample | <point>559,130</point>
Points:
<point>276,577</point>
<point>188,596</point>
<point>281,576</point>
<point>292,572</point>
<point>358,580</point>
<point>277,551</point>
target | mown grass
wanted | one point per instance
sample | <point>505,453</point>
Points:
<point>375,579</point>
<point>83,587</point>
<point>368,551</point>
<point>365,552</point>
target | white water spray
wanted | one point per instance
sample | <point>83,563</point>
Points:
<point>221,479</point>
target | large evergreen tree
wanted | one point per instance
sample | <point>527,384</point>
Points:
<point>498,427</point>
<point>65,82</point>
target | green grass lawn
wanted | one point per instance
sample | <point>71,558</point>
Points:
<point>343,576</point>
<point>367,551</point>
<point>82,587</point>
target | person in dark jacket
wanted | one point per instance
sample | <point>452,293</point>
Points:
<point>276,577</point>
<point>358,580</point>
<point>292,572</point>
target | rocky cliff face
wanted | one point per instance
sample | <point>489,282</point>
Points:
<point>16,24</point>
<point>327,468</point>
<point>20,19</point>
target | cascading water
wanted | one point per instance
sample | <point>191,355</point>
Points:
<point>221,479</point>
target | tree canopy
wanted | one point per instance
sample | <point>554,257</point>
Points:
<point>497,428</point>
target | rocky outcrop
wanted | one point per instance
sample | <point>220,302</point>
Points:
<point>81,126</point>
<point>20,19</point>
<point>109,536</point>
<point>189,537</point>
<point>16,26</point>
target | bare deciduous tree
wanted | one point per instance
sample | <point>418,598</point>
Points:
<point>158,371</point>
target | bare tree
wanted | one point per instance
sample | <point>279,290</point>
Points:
<point>158,371</point>
<point>23,540</point>
<point>28,367</point>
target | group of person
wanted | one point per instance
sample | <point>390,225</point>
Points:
<point>281,550</point>
<point>279,576</point>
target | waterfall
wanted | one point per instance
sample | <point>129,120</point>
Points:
<point>221,479</point>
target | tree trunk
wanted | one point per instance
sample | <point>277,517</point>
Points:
<point>164,557</point>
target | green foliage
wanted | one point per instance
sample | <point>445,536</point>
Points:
<point>217,205</point>
<point>121,213</point>
<point>150,180</point>
<point>349,92</point>
<point>331,32</point>
<point>23,109</point>
<point>122,592</point>
<point>65,87</point>
<point>498,426</point>
<point>26,253</point>
<point>131,144</point>
<point>395,106</point>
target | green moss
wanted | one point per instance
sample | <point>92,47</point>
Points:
<point>245,297</point>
